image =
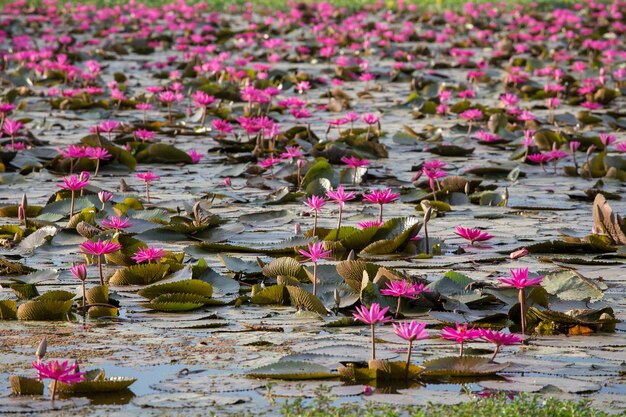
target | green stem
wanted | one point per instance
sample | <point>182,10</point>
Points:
<point>522,307</point>
<point>373,343</point>
<point>315,278</point>
<point>100,269</point>
<point>339,223</point>
<point>408,358</point>
<point>398,308</point>
<point>72,205</point>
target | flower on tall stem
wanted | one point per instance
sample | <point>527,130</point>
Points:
<point>355,163</point>
<point>433,175</point>
<point>74,183</point>
<point>340,196</point>
<point>473,235</point>
<point>410,331</point>
<point>80,272</point>
<point>460,334</point>
<point>98,249</point>
<point>98,154</point>
<point>116,222</point>
<point>372,316</point>
<point>472,116</point>
<point>316,204</point>
<point>519,279</point>
<point>147,177</point>
<point>573,147</point>
<point>314,253</point>
<point>403,289</point>
<point>381,197</point>
<point>539,158</point>
<point>58,372</point>
<point>499,338</point>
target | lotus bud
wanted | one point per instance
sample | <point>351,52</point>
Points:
<point>296,229</point>
<point>226,182</point>
<point>337,297</point>
<point>590,150</point>
<point>24,201</point>
<point>467,188</point>
<point>21,214</point>
<point>41,349</point>
<point>518,253</point>
<point>104,196</point>
<point>351,256</point>
<point>301,163</point>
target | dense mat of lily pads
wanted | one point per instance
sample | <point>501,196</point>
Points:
<point>217,210</point>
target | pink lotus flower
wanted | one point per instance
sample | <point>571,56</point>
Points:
<point>381,197</point>
<point>519,253</point>
<point>98,154</point>
<point>355,163</point>
<point>195,156</point>
<point>539,158</point>
<point>370,223</point>
<point>116,222</point>
<point>80,272</point>
<point>473,235</point>
<point>460,334</point>
<point>519,279</point>
<point>58,372</point>
<point>621,147</point>
<point>98,249</point>
<point>403,289</point>
<point>315,203</point>
<point>372,316</point>
<point>291,153</point>
<point>147,177</point>
<point>340,196</point>
<point>144,135</point>
<point>148,254</point>
<point>74,183</point>
<point>433,174</point>
<point>11,128</point>
<point>410,332</point>
<point>73,151</point>
<point>471,115</point>
<point>314,253</point>
<point>499,339</point>
<point>607,139</point>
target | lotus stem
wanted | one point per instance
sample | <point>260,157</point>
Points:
<point>339,223</point>
<point>54,390</point>
<point>100,269</point>
<point>380,213</point>
<point>373,343</point>
<point>315,278</point>
<point>495,352</point>
<point>72,205</point>
<point>84,298</point>
<point>426,238</point>
<point>461,349</point>
<point>97,168</point>
<point>147,192</point>
<point>315,223</point>
<point>398,307</point>
<point>408,358</point>
<point>522,307</point>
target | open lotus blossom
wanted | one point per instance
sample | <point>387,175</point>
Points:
<point>11,128</point>
<point>147,177</point>
<point>315,252</point>
<point>195,156</point>
<point>460,335</point>
<point>98,154</point>
<point>149,255</point>
<point>472,116</point>
<point>372,316</point>
<point>369,223</point>
<point>499,338</point>
<point>291,153</point>
<point>410,331</point>
<point>269,163</point>
<point>98,249</point>
<point>403,289</point>
<point>473,235</point>
<point>355,163</point>
<point>539,158</point>
<point>340,196</point>
<point>316,204</point>
<point>116,222</point>
<point>433,173</point>
<point>381,197</point>
<point>74,183</point>
<point>519,279</point>
<point>621,147</point>
<point>58,372</point>
<point>144,135</point>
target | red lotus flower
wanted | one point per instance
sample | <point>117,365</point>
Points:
<point>98,249</point>
<point>381,197</point>
<point>410,332</point>
<point>148,254</point>
<point>340,197</point>
<point>314,253</point>
<point>369,223</point>
<point>473,235</point>
<point>372,316</point>
<point>460,334</point>
<point>195,156</point>
<point>519,279</point>
<point>147,177</point>
<point>315,203</point>
<point>74,183</point>
<point>58,372</point>
<point>499,339</point>
<point>116,222</point>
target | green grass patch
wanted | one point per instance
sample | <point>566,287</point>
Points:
<point>523,405</point>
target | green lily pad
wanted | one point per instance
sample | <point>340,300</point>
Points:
<point>462,366</point>
<point>292,371</point>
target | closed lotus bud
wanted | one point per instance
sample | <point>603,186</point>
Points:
<point>427,214</point>
<point>24,201</point>
<point>79,271</point>
<point>21,214</point>
<point>518,253</point>
<point>337,297</point>
<point>301,163</point>
<point>104,196</point>
<point>296,229</point>
<point>226,182</point>
<point>591,149</point>
<point>84,176</point>
<point>467,188</point>
<point>42,348</point>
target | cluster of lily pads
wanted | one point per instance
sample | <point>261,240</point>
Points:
<point>295,136</point>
